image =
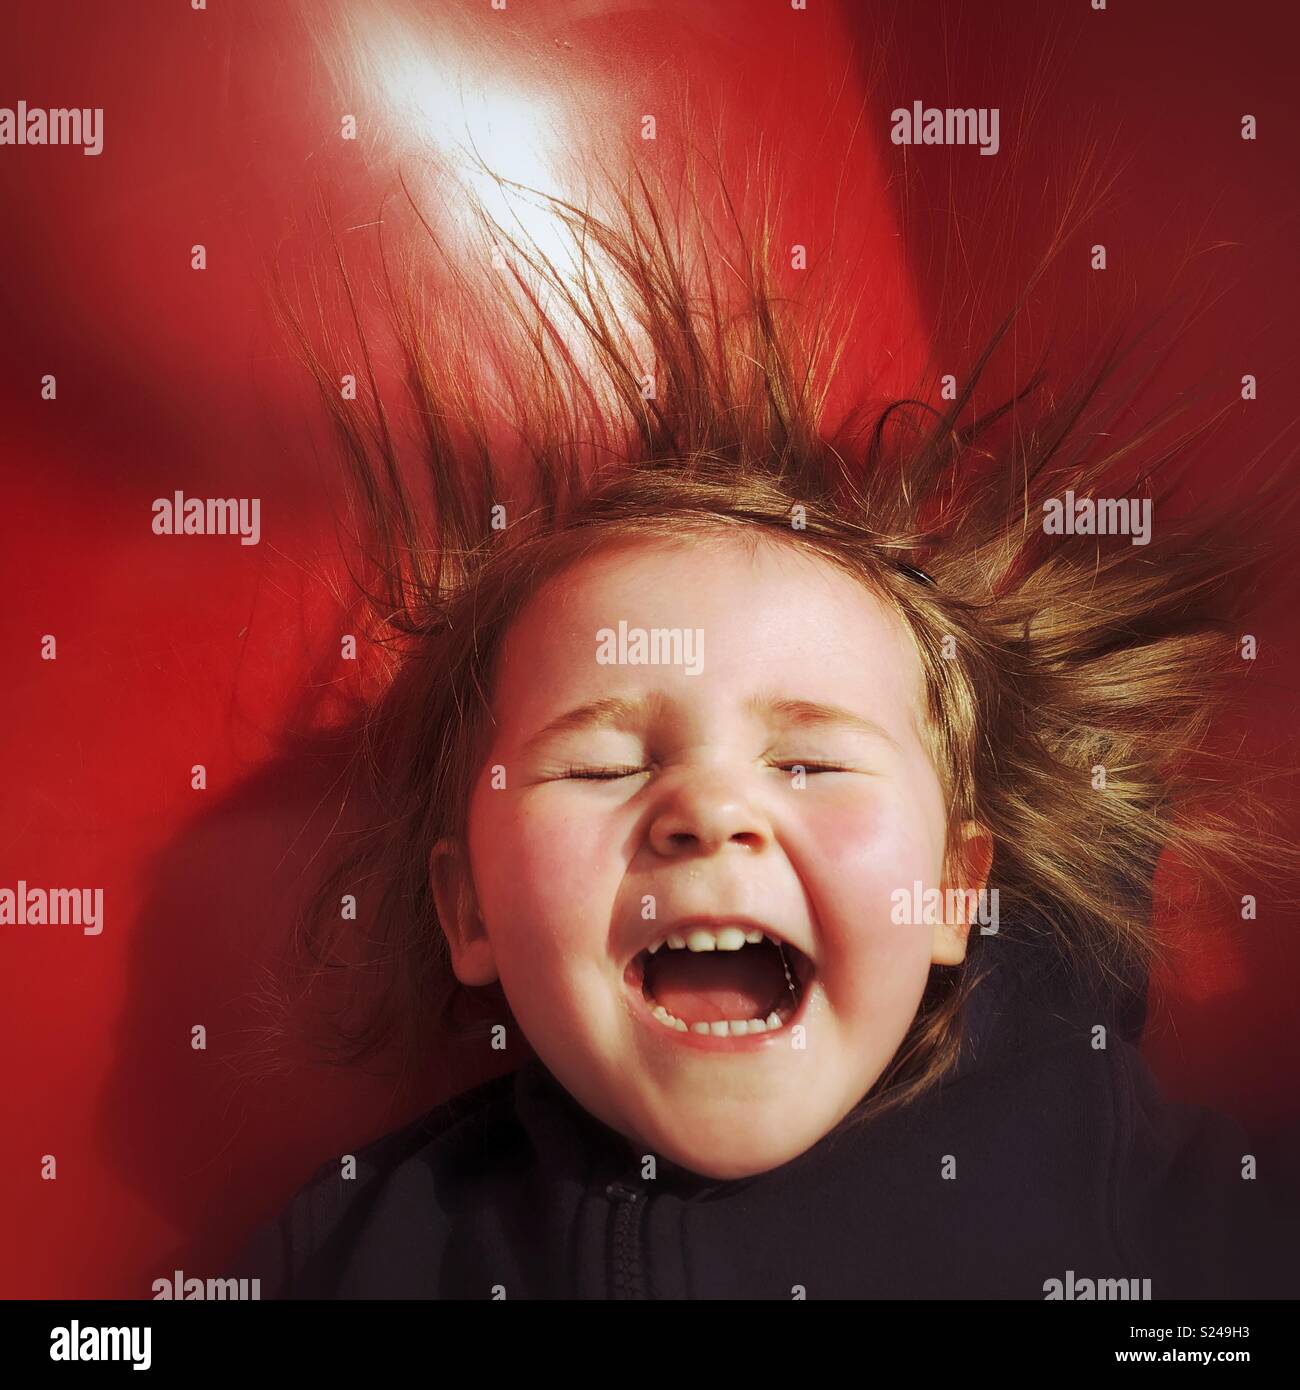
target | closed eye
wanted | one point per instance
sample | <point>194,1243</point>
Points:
<point>601,774</point>
<point>613,774</point>
<point>790,766</point>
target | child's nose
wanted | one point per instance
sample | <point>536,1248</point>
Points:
<point>701,819</point>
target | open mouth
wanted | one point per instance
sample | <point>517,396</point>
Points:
<point>754,987</point>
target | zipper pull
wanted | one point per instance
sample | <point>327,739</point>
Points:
<point>623,1191</point>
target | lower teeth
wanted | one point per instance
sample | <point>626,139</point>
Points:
<point>723,1028</point>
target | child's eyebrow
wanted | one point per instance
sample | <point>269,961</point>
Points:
<point>610,711</point>
<point>615,711</point>
<point>806,714</point>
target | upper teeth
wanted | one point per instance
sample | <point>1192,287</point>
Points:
<point>713,939</point>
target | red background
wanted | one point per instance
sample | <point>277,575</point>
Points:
<point>218,127</point>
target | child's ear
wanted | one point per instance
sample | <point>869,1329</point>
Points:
<point>967,871</point>
<point>458,915</point>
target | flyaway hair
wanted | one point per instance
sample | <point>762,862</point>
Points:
<point>652,373</point>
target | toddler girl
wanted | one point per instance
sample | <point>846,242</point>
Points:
<point>794,796</point>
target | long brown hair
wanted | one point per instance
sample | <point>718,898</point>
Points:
<point>1045,658</point>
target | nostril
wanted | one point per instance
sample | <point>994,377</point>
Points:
<point>687,840</point>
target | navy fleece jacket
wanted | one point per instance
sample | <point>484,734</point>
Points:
<point>1042,1158</point>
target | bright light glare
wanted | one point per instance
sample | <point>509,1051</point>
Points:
<point>484,128</point>
<point>487,127</point>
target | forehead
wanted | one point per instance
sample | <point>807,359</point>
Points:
<point>773,617</point>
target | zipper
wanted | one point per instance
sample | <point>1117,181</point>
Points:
<point>626,1275</point>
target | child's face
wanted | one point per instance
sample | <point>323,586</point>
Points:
<point>711,823</point>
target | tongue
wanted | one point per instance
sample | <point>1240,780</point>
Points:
<point>717,986</point>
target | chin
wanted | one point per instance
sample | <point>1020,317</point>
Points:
<point>743,1149</point>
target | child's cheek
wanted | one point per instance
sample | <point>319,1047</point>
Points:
<point>862,850</point>
<point>542,877</point>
